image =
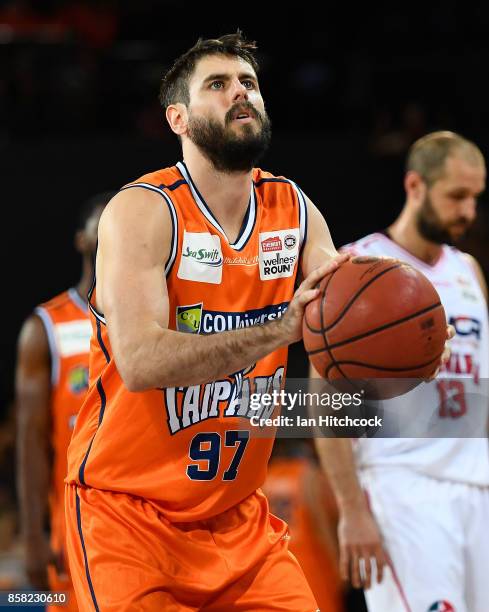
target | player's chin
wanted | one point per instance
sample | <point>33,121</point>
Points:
<point>457,232</point>
<point>245,127</point>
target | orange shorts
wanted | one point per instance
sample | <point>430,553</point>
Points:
<point>61,583</point>
<point>124,555</point>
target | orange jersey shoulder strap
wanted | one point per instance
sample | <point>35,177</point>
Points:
<point>67,325</point>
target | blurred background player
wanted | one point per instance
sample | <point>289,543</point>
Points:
<point>51,381</point>
<point>299,493</point>
<point>429,495</point>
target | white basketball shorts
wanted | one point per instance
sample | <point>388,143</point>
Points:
<point>436,534</point>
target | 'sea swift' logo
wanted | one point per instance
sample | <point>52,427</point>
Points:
<point>203,256</point>
<point>201,260</point>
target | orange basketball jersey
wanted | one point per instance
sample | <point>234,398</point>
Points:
<point>191,450</point>
<point>68,330</point>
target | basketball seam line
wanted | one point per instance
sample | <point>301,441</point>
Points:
<point>321,317</point>
<point>353,298</point>
<point>312,329</point>
<point>377,329</point>
<point>325,339</point>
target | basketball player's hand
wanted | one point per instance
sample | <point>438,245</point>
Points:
<point>38,555</point>
<point>361,548</point>
<point>446,352</point>
<point>291,322</point>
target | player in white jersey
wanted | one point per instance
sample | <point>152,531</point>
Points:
<point>429,496</point>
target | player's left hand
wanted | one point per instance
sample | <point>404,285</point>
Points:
<point>446,352</point>
<point>291,322</point>
<point>362,553</point>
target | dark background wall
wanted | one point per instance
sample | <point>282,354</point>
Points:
<point>347,92</point>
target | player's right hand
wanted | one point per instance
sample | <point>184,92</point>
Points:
<point>291,322</point>
<point>38,555</point>
<point>446,352</point>
<point>361,548</point>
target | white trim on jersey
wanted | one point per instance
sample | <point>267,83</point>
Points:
<point>173,213</point>
<point>250,224</point>
<point>409,257</point>
<point>96,314</point>
<point>77,300</point>
<point>210,217</point>
<point>174,241</point>
<point>144,186</point>
<point>53,349</point>
<point>302,213</point>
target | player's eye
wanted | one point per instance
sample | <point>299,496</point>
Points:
<point>248,84</point>
<point>459,195</point>
<point>217,85</point>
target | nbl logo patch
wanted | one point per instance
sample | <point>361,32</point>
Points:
<point>290,241</point>
<point>441,606</point>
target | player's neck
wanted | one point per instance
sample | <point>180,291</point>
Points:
<point>226,194</point>
<point>405,233</point>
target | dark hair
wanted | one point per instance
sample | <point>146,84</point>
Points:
<point>88,207</point>
<point>427,156</point>
<point>174,85</point>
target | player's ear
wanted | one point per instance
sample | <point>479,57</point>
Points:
<point>177,117</point>
<point>415,186</point>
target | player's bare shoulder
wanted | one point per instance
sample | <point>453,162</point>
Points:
<point>476,267</point>
<point>134,234</point>
<point>32,344</point>
<point>134,210</point>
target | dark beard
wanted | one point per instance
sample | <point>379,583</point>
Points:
<point>226,151</point>
<point>430,226</point>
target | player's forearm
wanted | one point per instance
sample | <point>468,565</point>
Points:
<point>172,359</point>
<point>32,480</point>
<point>337,460</point>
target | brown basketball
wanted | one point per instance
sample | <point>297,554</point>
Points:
<point>375,318</point>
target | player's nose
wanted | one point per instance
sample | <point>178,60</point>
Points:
<point>470,209</point>
<point>239,91</point>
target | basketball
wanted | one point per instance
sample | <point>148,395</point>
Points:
<point>375,318</point>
